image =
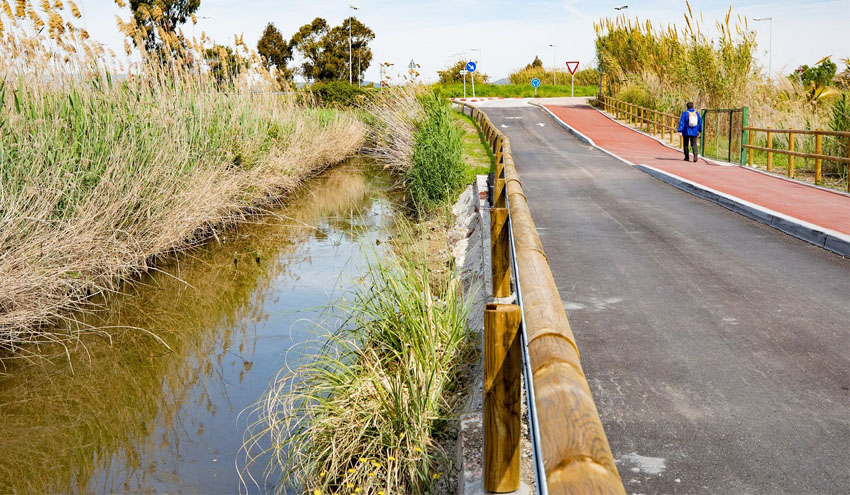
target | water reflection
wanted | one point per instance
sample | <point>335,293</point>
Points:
<point>134,416</point>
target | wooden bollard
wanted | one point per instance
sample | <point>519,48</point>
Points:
<point>502,402</point>
<point>500,251</point>
<point>750,152</point>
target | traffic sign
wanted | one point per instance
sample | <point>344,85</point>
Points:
<point>470,66</point>
<point>535,83</point>
<point>572,66</point>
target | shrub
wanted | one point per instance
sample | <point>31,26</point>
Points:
<point>339,94</point>
<point>437,171</point>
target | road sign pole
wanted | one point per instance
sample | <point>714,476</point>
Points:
<point>464,84</point>
<point>573,85</point>
<point>473,85</point>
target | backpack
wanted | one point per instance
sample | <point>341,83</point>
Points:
<point>693,119</point>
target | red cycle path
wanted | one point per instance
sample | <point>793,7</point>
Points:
<point>810,204</point>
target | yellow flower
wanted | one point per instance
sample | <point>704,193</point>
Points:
<point>357,490</point>
<point>350,485</point>
<point>317,492</point>
<point>402,435</point>
<point>363,459</point>
<point>376,464</point>
<point>322,474</point>
<point>372,473</point>
<point>391,458</point>
<point>437,476</point>
<point>381,492</point>
<point>417,449</point>
<point>350,470</point>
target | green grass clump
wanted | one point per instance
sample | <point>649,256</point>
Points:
<point>546,90</point>
<point>437,173</point>
<point>364,412</point>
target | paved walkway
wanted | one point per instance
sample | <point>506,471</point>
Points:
<point>816,206</point>
<point>716,347</point>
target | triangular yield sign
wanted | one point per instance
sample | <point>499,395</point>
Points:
<point>572,66</point>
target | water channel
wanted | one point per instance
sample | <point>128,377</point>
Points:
<point>132,416</point>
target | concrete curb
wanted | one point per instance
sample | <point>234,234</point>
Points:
<point>822,237</point>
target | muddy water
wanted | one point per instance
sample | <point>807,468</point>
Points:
<point>133,416</point>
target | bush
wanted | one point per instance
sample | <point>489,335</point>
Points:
<point>339,94</point>
<point>437,171</point>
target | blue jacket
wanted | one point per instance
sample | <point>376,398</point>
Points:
<point>687,130</point>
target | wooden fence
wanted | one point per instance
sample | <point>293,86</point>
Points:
<point>665,125</point>
<point>574,449</point>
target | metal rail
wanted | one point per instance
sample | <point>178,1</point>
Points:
<point>572,455</point>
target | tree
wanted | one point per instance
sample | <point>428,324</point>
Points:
<point>816,80</point>
<point>308,42</point>
<point>535,63</point>
<point>451,74</point>
<point>276,52</point>
<point>158,17</point>
<point>224,63</point>
<point>324,50</point>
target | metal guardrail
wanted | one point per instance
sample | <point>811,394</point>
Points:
<point>571,451</point>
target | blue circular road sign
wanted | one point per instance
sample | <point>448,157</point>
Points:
<point>470,66</point>
<point>535,82</point>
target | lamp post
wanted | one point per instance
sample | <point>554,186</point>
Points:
<point>621,7</point>
<point>350,66</point>
<point>769,46</point>
<point>554,66</point>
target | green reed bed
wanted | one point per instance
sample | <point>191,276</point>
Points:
<point>364,413</point>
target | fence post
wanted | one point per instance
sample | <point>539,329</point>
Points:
<point>769,165</point>
<point>502,411</point>
<point>654,123</point>
<point>791,140</point>
<point>750,152</point>
<point>818,161</point>
<point>672,126</point>
<point>745,135</point>
<point>500,252</point>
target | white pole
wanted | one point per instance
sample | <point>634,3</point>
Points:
<point>349,50</point>
<point>473,84</point>
<point>464,82</point>
<point>572,85</point>
<point>770,50</point>
<point>554,67</point>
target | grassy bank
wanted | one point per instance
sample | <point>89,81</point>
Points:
<point>100,176</point>
<point>516,90</point>
<point>369,408</point>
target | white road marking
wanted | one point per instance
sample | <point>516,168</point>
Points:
<point>541,124</point>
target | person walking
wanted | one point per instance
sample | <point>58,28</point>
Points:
<point>690,127</point>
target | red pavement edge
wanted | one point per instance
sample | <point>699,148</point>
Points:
<point>814,215</point>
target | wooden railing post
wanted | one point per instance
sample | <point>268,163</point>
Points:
<point>502,402</point>
<point>750,152</point>
<point>818,161</point>
<point>500,252</point>
<point>672,128</point>
<point>769,164</point>
<point>791,157</point>
<point>654,122</point>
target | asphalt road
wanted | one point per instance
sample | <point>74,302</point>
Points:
<point>717,348</point>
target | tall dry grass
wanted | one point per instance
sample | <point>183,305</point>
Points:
<point>100,175</point>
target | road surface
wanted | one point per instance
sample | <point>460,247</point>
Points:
<point>716,347</point>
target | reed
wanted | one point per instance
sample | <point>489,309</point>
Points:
<point>363,412</point>
<point>101,175</point>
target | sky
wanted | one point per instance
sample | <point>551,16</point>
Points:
<point>508,33</point>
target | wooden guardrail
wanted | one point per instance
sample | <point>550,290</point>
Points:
<point>663,125</point>
<point>575,452</point>
<point>818,155</point>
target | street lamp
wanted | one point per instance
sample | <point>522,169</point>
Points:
<point>622,7</point>
<point>350,67</point>
<point>554,66</point>
<point>770,46</point>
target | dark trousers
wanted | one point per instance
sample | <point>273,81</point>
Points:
<point>693,143</point>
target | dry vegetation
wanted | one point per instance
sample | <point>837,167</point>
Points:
<point>100,174</point>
